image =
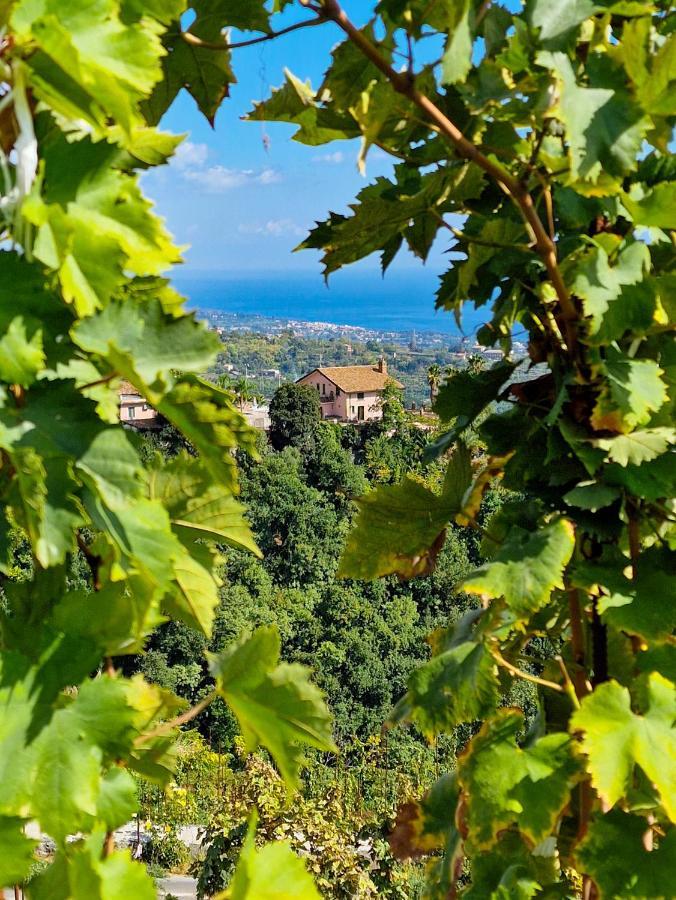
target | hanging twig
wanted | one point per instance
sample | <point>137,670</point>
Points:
<point>185,717</point>
<point>195,41</point>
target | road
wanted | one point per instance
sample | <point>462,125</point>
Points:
<point>181,887</point>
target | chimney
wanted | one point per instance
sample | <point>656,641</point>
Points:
<point>382,365</point>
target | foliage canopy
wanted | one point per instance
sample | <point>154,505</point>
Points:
<point>547,132</point>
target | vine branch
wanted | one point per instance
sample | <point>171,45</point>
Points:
<point>185,717</point>
<point>519,673</point>
<point>403,83</point>
<point>195,41</point>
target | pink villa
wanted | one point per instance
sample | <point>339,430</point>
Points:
<point>134,410</point>
<point>350,393</point>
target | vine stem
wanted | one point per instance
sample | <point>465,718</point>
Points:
<point>187,716</point>
<point>195,41</point>
<point>501,661</point>
<point>404,83</point>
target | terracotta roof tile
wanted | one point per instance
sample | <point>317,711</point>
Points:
<point>355,378</point>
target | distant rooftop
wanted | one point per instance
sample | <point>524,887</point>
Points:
<point>356,378</point>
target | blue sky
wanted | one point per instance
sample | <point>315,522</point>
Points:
<point>241,202</point>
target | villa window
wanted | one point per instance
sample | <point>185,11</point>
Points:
<point>323,388</point>
<point>132,412</point>
<point>337,392</point>
<point>360,395</point>
<point>352,410</point>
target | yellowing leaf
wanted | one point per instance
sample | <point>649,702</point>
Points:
<point>276,705</point>
<point>616,740</point>
<point>526,569</point>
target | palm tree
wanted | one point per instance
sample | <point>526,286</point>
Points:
<point>475,363</point>
<point>243,392</point>
<point>433,379</point>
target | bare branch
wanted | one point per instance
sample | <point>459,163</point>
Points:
<point>195,41</point>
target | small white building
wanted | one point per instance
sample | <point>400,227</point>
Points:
<point>257,416</point>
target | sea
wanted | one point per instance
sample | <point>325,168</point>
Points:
<point>401,301</point>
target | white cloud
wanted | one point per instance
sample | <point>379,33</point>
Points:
<point>273,228</point>
<point>333,159</point>
<point>190,161</point>
<point>189,155</point>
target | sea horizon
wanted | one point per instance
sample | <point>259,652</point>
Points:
<point>401,302</point>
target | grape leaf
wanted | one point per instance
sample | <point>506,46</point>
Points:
<point>198,507</point>
<point>633,389</point>
<point>275,704</point>
<point>144,344</point>
<point>613,853</point>
<point>21,355</point>
<point>17,855</point>
<point>89,67</point>
<point>203,71</point>
<point>92,229</point>
<point>464,395</point>
<point>273,872</point>
<point>205,414</point>
<point>604,127</point>
<point>591,495</point>
<point>457,59</point>
<point>457,685</point>
<point>638,447</point>
<point>510,785</point>
<point>616,740</point>
<point>616,299</point>
<point>526,569</point>
<point>511,871</point>
<point>655,207</point>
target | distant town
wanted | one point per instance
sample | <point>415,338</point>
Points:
<point>348,365</point>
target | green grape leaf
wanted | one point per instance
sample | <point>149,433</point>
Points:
<point>613,854</point>
<point>295,102</point>
<point>203,71</point>
<point>424,825</point>
<point>644,606</point>
<point>511,871</point>
<point>556,19</point>
<point>399,529</point>
<point>591,495</point>
<point>145,344</point>
<point>508,785</point>
<point>93,228</point>
<point>88,67</point>
<point>655,208</point>
<point>640,446</point>
<point>117,801</point>
<point>652,73</point>
<point>633,389</point>
<point>457,59</point>
<point>17,855</point>
<point>86,874</point>
<point>21,355</point>
<point>616,298</point>
<point>527,568</point>
<point>206,415</point>
<point>616,740</point>
<point>604,127</point>
<point>464,395</point>
<point>275,704</point>
<point>198,507</point>
<point>459,684</point>
<point>195,597</point>
<point>273,872</point>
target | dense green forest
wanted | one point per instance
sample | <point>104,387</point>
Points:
<point>362,639</point>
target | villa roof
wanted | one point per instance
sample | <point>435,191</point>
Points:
<point>355,378</point>
<point>126,387</point>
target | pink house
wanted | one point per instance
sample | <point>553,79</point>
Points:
<point>350,393</point>
<point>134,410</point>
